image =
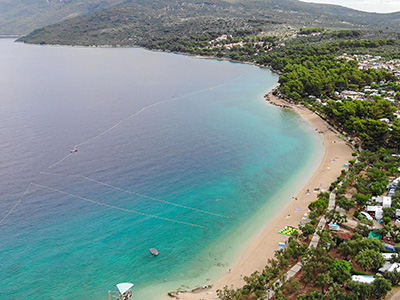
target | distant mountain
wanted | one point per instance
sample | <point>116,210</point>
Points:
<point>23,16</point>
<point>136,22</point>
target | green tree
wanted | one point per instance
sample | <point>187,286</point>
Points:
<point>380,287</point>
<point>341,271</point>
<point>229,294</point>
<point>359,290</point>
<point>345,203</point>
<point>308,230</point>
<point>369,259</point>
<point>361,199</point>
<point>314,295</point>
<point>336,293</point>
<point>387,220</point>
<point>323,280</point>
<point>378,188</point>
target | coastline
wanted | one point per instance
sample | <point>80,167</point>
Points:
<point>262,247</point>
<point>256,253</point>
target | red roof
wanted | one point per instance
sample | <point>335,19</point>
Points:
<point>344,236</point>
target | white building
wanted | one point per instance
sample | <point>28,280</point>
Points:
<point>385,200</point>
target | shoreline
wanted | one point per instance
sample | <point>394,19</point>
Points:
<point>256,253</point>
<point>263,245</point>
<point>153,50</point>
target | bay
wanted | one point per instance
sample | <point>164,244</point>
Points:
<point>174,152</point>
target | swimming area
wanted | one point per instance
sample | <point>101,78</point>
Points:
<point>174,152</point>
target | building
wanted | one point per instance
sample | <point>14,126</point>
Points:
<point>385,200</point>
<point>376,211</point>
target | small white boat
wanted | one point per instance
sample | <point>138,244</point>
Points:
<point>74,150</point>
<point>154,252</point>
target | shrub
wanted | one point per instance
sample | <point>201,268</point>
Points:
<point>387,220</point>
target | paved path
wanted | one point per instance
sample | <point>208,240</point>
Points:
<point>314,243</point>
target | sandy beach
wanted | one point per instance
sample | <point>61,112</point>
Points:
<point>257,252</point>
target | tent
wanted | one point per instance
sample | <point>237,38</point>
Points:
<point>389,247</point>
<point>363,278</point>
<point>334,227</point>
<point>374,235</point>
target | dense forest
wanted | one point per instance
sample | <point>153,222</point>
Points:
<point>314,70</point>
<point>140,22</point>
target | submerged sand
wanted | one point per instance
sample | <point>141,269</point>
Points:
<point>257,252</point>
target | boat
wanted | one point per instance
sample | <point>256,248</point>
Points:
<point>74,150</point>
<point>124,291</point>
<point>154,252</point>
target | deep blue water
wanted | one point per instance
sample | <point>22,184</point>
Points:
<point>192,132</point>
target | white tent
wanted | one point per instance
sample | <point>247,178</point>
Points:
<point>363,278</point>
<point>124,287</point>
<point>334,227</point>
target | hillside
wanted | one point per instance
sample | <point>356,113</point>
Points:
<point>138,22</point>
<point>23,16</point>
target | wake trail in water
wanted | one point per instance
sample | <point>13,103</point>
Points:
<point>16,204</point>
<point>140,195</point>
<point>117,188</point>
<point>115,207</point>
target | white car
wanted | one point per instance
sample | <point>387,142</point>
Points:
<point>366,215</point>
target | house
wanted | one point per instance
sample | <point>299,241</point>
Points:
<point>385,200</point>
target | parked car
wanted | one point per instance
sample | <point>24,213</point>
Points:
<point>366,215</point>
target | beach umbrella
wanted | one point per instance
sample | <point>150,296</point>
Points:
<point>124,287</point>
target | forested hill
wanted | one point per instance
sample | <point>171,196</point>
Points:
<point>138,22</point>
<point>23,16</point>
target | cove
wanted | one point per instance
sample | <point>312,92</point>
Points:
<point>164,141</point>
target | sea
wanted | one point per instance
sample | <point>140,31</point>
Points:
<point>108,152</point>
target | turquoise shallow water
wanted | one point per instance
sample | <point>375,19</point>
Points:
<point>159,127</point>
